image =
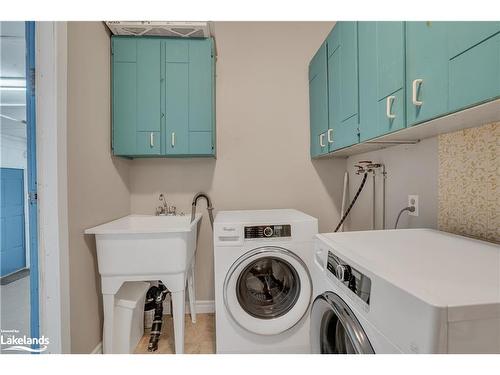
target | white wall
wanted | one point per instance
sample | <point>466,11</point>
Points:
<point>262,137</point>
<point>411,169</point>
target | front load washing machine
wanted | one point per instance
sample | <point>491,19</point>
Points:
<point>405,291</point>
<point>263,287</point>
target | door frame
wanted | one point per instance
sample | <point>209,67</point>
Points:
<point>51,136</point>
<point>32,178</point>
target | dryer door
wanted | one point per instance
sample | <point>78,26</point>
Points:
<point>267,290</point>
<point>335,329</point>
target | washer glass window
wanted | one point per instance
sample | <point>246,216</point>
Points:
<point>335,328</point>
<point>334,338</point>
<point>268,287</point>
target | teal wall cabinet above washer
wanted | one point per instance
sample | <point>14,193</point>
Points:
<point>318,103</point>
<point>385,78</point>
<point>343,99</point>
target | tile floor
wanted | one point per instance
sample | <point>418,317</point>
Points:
<point>15,307</point>
<point>199,337</point>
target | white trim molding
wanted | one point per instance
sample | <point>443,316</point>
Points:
<point>51,102</point>
<point>97,349</point>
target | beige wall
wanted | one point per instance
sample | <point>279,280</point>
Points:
<point>456,176</point>
<point>262,137</point>
<point>411,169</point>
<point>97,183</point>
<point>263,154</point>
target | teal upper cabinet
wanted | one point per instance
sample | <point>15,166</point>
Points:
<point>318,102</point>
<point>390,57</point>
<point>381,78</point>
<point>342,47</point>
<point>136,97</point>
<point>385,76</point>
<point>474,63</point>
<point>176,96</point>
<point>426,71</point>
<point>124,88</point>
<point>163,97</point>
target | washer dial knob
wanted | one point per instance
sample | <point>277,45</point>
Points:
<point>343,272</point>
<point>268,231</point>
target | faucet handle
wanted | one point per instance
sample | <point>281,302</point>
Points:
<point>171,210</point>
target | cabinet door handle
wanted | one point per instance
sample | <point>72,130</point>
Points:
<point>152,140</point>
<point>388,105</point>
<point>415,84</point>
<point>330,135</point>
<point>172,139</point>
<point>321,140</point>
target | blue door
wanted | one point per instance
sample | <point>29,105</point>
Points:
<point>12,234</point>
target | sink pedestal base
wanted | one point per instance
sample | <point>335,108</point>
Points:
<point>175,283</point>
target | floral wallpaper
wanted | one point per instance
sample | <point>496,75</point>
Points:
<point>469,190</point>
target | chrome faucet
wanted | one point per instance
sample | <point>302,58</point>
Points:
<point>164,209</point>
<point>209,207</point>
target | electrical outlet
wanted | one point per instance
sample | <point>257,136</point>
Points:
<point>413,201</point>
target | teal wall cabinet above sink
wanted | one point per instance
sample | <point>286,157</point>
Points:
<point>163,97</point>
<point>390,80</point>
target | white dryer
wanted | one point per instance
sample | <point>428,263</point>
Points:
<point>405,291</point>
<point>263,287</point>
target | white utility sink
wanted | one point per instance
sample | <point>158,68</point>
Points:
<point>146,247</point>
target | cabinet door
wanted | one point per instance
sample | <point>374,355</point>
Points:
<point>201,97</point>
<point>176,97</point>
<point>474,65</point>
<point>466,35</point>
<point>368,79</point>
<point>318,100</point>
<point>148,143</point>
<point>343,85</point>
<point>348,69</point>
<point>124,96</point>
<point>381,78</point>
<point>148,85</point>
<point>391,113</point>
<point>426,71</point>
<point>390,57</point>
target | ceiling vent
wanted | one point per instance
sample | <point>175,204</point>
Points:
<point>176,29</point>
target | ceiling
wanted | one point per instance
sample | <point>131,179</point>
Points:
<point>12,65</point>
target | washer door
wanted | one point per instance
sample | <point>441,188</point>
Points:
<point>267,290</point>
<point>335,329</point>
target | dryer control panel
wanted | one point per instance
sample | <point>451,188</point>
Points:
<point>268,231</point>
<point>354,280</point>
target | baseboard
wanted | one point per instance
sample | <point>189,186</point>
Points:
<point>202,307</point>
<point>14,276</point>
<point>97,349</point>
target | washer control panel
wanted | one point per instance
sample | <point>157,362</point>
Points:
<point>354,280</point>
<point>268,231</point>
